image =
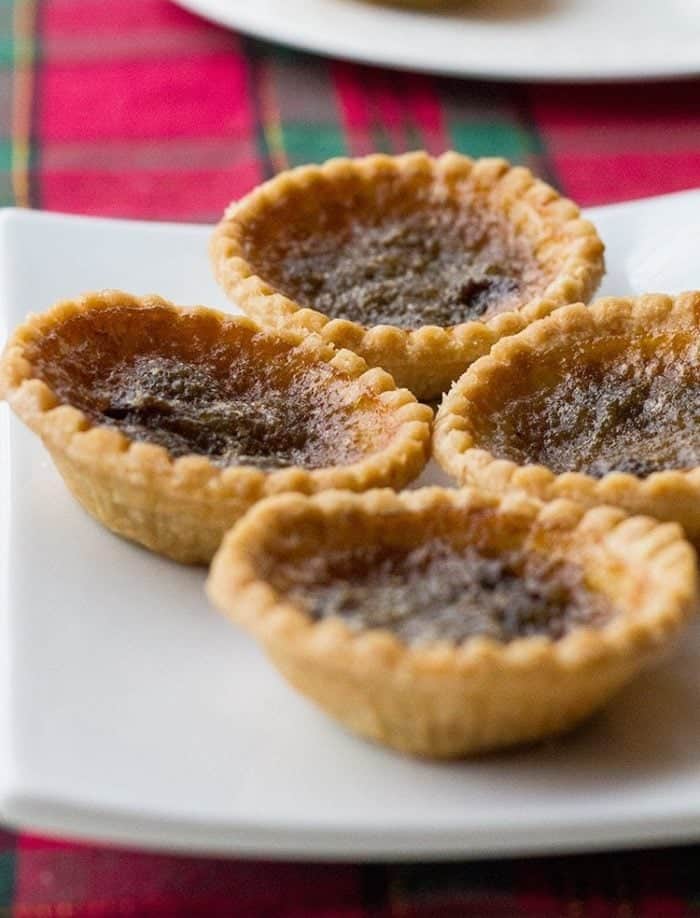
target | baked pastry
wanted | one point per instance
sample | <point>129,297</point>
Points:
<point>598,404</point>
<point>448,622</point>
<point>414,263</point>
<point>168,424</point>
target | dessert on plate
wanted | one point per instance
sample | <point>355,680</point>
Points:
<point>449,622</point>
<point>167,424</point>
<point>416,264</point>
<point>600,404</point>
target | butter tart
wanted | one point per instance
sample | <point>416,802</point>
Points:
<point>167,424</point>
<point>416,264</point>
<point>600,404</point>
<point>449,622</point>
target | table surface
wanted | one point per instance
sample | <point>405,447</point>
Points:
<point>138,109</point>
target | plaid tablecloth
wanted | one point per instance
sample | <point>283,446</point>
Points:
<point>134,108</point>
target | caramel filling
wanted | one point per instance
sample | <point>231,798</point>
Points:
<point>437,592</point>
<point>639,413</point>
<point>195,385</point>
<point>426,267</point>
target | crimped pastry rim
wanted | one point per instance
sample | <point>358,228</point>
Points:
<point>576,279</point>
<point>273,619</point>
<point>67,429</point>
<point>456,446</point>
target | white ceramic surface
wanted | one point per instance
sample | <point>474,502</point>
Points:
<point>129,710</point>
<point>513,39</point>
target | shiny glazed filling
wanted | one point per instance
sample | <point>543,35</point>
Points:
<point>195,385</point>
<point>639,413</point>
<point>437,592</point>
<point>426,267</point>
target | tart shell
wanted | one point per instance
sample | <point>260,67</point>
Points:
<point>672,495</point>
<point>426,359</point>
<point>181,507</point>
<point>450,700</point>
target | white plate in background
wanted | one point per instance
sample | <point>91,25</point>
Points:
<point>131,711</point>
<point>584,40</point>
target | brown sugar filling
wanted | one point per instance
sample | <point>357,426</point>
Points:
<point>441,266</point>
<point>195,385</point>
<point>639,413</point>
<point>437,592</point>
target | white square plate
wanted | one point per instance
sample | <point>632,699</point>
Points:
<point>131,711</point>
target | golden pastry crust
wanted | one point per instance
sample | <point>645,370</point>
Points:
<point>425,359</point>
<point>181,507</point>
<point>445,699</point>
<point>572,337</point>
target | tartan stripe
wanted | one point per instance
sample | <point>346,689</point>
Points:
<point>7,881</point>
<point>23,25</point>
<point>254,65</point>
<point>305,109</point>
<point>495,139</point>
<point>5,155</point>
<point>147,154</point>
<point>8,860</point>
<point>481,889</point>
<point>205,95</point>
<point>352,107</point>
<point>100,19</point>
<point>426,108</point>
<point>305,143</point>
<point>622,177</point>
<point>8,52</point>
<point>173,44</point>
<point>270,115</point>
<point>159,193</point>
<point>88,880</point>
<point>637,143</point>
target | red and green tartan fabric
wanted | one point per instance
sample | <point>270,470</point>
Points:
<point>46,879</point>
<point>134,108</point>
